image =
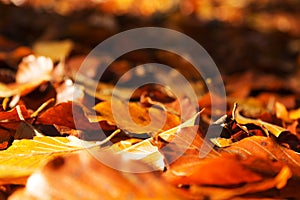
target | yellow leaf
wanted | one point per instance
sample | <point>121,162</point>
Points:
<point>281,112</point>
<point>56,50</point>
<point>24,156</point>
<point>294,114</point>
<point>221,142</point>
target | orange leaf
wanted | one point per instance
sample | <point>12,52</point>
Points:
<point>226,170</point>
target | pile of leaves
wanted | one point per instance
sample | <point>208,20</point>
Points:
<point>49,130</point>
<point>59,138</point>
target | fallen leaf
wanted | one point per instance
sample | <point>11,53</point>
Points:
<point>34,68</point>
<point>267,127</point>
<point>65,114</point>
<point>14,114</point>
<point>168,135</point>
<point>295,114</point>
<point>266,148</point>
<point>82,176</point>
<point>56,50</point>
<point>221,193</point>
<point>219,171</point>
<point>221,142</point>
<point>144,151</point>
<point>26,131</point>
<point>32,72</point>
<point>138,121</point>
<point>24,156</point>
<point>282,112</point>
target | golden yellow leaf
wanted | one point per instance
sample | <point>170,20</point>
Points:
<point>24,156</point>
<point>56,50</point>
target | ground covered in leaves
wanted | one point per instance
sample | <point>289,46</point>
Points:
<point>50,130</point>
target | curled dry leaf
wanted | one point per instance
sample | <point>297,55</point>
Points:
<point>32,72</point>
<point>34,68</point>
<point>13,115</point>
<point>267,127</point>
<point>11,119</point>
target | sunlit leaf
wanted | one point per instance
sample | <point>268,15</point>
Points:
<point>24,156</point>
<point>282,112</point>
<point>141,119</point>
<point>146,152</point>
<point>221,142</point>
<point>295,114</point>
<point>169,134</point>
<point>32,72</point>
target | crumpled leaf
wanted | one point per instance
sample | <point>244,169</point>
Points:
<point>13,115</point>
<point>32,72</point>
<point>267,127</point>
<point>68,92</point>
<point>24,156</point>
<point>33,67</point>
<point>11,119</point>
<point>285,115</point>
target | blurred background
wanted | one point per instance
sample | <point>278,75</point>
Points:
<point>240,35</point>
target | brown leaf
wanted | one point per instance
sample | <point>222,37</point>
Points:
<point>63,115</point>
<point>13,115</point>
<point>265,126</point>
